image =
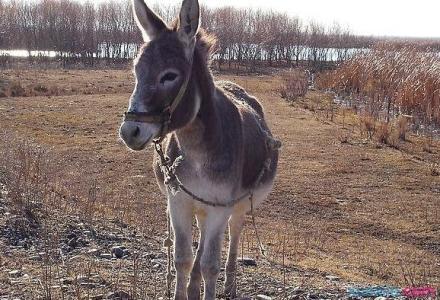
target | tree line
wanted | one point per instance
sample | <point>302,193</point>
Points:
<point>89,31</point>
<point>69,28</point>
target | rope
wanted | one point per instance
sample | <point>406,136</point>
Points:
<point>254,224</point>
<point>168,243</point>
<point>174,185</point>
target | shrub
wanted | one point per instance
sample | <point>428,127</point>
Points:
<point>3,89</point>
<point>368,125</point>
<point>394,139</point>
<point>295,84</point>
<point>41,88</point>
<point>389,79</point>
<point>402,126</point>
<point>383,133</point>
<point>16,89</point>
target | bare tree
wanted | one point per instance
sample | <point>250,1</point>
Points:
<point>247,38</point>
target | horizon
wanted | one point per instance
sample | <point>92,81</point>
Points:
<point>356,17</point>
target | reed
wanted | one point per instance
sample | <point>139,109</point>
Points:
<point>295,84</point>
<point>389,82</point>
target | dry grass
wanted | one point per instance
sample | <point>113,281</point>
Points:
<point>295,84</point>
<point>435,169</point>
<point>390,81</point>
<point>346,209</point>
<point>44,210</point>
<point>32,83</point>
<point>403,127</point>
<point>389,133</point>
<point>367,125</point>
<point>383,132</point>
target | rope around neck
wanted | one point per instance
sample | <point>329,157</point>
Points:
<point>174,185</point>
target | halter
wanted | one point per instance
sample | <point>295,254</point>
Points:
<point>163,118</point>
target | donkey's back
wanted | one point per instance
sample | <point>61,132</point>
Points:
<point>256,136</point>
<point>239,95</point>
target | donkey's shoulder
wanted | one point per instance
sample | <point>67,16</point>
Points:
<point>239,95</point>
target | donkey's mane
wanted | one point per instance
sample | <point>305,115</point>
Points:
<point>206,43</point>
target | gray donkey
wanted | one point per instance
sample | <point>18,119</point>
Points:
<point>224,157</point>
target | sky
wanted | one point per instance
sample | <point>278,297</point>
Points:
<point>403,18</point>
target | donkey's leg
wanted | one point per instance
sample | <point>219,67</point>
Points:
<point>181,217</point>
<point>235,227</point>
<point>217,220</point>
<point>196,274</point>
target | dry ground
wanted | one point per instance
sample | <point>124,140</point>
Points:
<point>342,205</point>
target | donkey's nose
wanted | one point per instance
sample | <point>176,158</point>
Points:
<point>137,136</point>
<point>136,132</point>
<point>129,132</point>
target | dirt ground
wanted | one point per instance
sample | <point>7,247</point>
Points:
<point>345,210</point>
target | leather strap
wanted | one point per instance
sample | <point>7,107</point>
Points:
<point>164,118</point>
<point>145,117</point>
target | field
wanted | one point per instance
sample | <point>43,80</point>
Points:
<point>345,210</point>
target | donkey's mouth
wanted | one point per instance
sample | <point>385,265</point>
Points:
<point>139,147</point>
<point>145,144</point>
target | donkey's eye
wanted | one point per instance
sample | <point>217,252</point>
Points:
<point>168,77</point>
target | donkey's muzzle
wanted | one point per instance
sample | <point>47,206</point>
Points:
<point>136,136</point>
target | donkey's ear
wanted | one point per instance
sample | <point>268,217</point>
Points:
<point>189,20</point>
<point>148,22</point>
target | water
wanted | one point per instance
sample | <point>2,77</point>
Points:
<point>129,51</point>
<point>25,53</point>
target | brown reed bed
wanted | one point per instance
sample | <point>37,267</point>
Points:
<point>388,82</point>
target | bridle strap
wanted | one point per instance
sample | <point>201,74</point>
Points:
<point>164,118</point>
<point>143,117</point>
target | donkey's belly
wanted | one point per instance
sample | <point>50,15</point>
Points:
<point>210,191</point>
<point>260,195</point>
<point>223,193</point>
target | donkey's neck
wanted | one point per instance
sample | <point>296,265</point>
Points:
<point>204,134</point>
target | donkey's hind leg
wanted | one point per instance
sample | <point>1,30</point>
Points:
<point>235,227</point>
<point>196,273</point>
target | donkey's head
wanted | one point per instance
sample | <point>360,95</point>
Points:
<point>162,69</point>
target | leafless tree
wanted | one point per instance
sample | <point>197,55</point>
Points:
<point>247,38</point>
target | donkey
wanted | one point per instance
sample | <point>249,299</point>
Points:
<point>219,131</point>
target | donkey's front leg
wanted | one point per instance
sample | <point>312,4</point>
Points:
<point>235,227</point>
<point>181,217</point>
<point>216,222</point>
<point>196,274</point>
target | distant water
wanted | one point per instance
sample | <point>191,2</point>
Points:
<point>130,50</point>
<point>25,53</point>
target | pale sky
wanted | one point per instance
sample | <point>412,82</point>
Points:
<point>408,18</point>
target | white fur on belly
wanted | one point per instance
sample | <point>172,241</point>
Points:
<point>222,194</point>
